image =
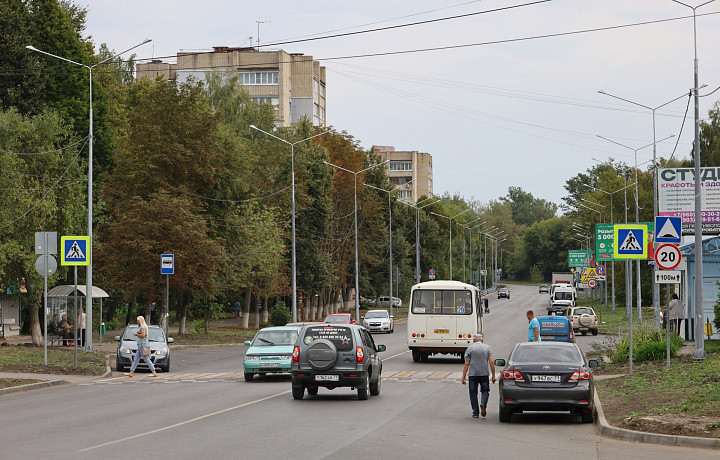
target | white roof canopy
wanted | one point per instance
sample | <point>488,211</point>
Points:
<point>69,291</point>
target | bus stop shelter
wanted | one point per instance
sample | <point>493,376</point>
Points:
<point>61,300</point>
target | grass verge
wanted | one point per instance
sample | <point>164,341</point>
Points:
<point>9,383</point>
<point>31,360</point>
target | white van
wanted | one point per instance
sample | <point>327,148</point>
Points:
<point>443,317</point>
<point>384,302</point>
<point>563,294</point>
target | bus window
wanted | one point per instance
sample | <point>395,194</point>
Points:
<point>436,302</point>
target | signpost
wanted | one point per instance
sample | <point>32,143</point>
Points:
<point>668,277</point>
<point>669,229</point>
<point>667,257</point>
<point>676,197</point>
<point>73,252</point>
<point>431,273</point>
<point>46,265</point>
<point>630,241</point>
<point>167,268</point>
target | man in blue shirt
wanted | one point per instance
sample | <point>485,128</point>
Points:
<point>533,328</point>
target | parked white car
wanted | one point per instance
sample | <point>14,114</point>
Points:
<point>583,320</point>
<point>378,321</point>
<point>384,302</point>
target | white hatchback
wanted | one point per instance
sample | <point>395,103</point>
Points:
<point>378,321</point>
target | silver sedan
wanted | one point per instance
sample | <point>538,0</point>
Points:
<point>378,321</point>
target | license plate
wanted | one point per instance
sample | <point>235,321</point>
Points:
<point>327,378</point>
<point>442,331</point>
<point>269,364</point>
<point>545,378</point>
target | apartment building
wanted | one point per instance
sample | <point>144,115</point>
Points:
<point>292,82</point>
<point>410,171</point>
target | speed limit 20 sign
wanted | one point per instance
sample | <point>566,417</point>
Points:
<point>667,256</point>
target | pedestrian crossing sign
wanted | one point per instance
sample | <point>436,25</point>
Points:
<point>630,241</point>
<point>74,250</point>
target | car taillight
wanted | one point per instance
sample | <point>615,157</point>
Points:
<point>513,375</point>
<point>359,354</point>
<point>572,333</point>
<point>579,375</point>
<point>296,354</point>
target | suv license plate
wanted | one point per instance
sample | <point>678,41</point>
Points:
<point>545,378</point>
<point>327,378</point>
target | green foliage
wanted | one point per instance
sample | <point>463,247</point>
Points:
<point>526,209</point>
<point>279,314</point>
<point>648,345</point>
<point>536,274</point>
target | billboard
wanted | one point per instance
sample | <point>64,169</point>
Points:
<point>605,235</point>
<point>676,197</point>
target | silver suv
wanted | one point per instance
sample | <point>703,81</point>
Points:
<point>336,355</point>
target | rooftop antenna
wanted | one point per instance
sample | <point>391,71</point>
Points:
<point>269,21</point>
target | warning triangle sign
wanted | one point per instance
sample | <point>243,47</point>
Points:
<point>630,243</point>
<point>75,252</point>
<point>668,230</point>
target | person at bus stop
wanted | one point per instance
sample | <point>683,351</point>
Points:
<point>67,331</point>
<point>81,328</point>
<point>479,364</point>
<point>142,341</point>
<point>677,313</point>
<point>533,327</point>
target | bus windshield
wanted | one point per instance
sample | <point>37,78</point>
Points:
<point>441,302</point>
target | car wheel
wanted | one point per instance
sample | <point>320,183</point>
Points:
<point>363,392</point>
<point>249,377</point>
<point>166,369</point>
<point>312,391</point>
<point>584,332</point>
<point>120,367</point>
<point>505,416</point>
<point>587,416</point>
<point>375,387</point>
<point>298,392</point>
<point>595,332</point>
<point>416,356</point>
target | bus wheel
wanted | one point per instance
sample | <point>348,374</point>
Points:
<point>424,357</point>
<point>416,356</point>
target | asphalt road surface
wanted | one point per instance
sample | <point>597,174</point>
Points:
<point>205,409</point>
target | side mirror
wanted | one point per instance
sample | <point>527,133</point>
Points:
<point>362,317</point>
<point>170,340</point>
<point>500,362</point>
<point>117,338</point>
<point>248,343</point>
<point>392,316</point>
<point>593,363</point>
<point>381,348</point>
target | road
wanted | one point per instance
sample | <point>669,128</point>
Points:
<point>205,409</point>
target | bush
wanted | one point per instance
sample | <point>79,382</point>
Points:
<point>279,314</point>
<point>648,345</point>
<point>113,324</point>
<point>536,274</point>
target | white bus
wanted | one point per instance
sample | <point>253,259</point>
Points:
<point>442,318</point>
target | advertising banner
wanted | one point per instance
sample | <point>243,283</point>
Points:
<point>676,197</point>
<point>605,234</point>
<point>578,259</point>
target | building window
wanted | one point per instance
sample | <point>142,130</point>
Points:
<point>322,89</point>
<point>407,194</point>
<point>259,78</point>
<point>401,166</point>
<point>316,110</point>
<point>315,85</point>
<point>322,113</point>
<point>275,101</point>
<point>400,180</point>
<point>430,185</point>
<point>430,168</point>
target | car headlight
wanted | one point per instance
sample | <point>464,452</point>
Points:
<point>162,352</point>
<point>124,350</point>
<point>252,358</point>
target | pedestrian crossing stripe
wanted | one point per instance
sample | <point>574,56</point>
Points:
<point>630,241</point>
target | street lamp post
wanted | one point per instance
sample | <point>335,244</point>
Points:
<point>357,263</point>
<point>465,227</point>
<point>485,237</point>
<point>656,287</point>
<point>88,346</point>
<point>450,219</point>
<point>294,253</point>
<point>390,255</point>
<point>699,314</point>
<point>637,209</point>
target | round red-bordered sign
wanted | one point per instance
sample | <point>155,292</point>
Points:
<point>592,283</point>
<point>667,256</point>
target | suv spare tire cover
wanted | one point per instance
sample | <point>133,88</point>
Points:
<point>585,319</point>
<point>321,354</point>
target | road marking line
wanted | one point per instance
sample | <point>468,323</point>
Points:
<point>213,376</point>
<point>195,376</point>
<point>227,376</point>
<point>165,376</point>
<point>395,356</point>
<point>439,375</point>
<point>422,375</point>
<point>212,414</point>
<point>403,374</point>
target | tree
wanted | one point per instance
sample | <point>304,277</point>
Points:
<point>41,192</point>
<point>526,209</point>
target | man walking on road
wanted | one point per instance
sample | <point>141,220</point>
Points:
<point>477,358</point>
<point>533,327</point>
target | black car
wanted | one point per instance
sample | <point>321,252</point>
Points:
<point>546,376</point>
<point>544,288</point>
<point>557,309</point>
<point>336,355</point>
<point>159,349</point>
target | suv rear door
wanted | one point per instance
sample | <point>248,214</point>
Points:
<point>328,346</point>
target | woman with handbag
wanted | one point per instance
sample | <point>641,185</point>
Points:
<point>143,348</point>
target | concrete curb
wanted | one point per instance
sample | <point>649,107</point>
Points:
<point>33,386</point>
<point>604,429</point>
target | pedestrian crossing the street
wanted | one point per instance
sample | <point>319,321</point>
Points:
<point>209,377</point>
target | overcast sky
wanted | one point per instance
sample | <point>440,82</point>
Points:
<point>521,113</point>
